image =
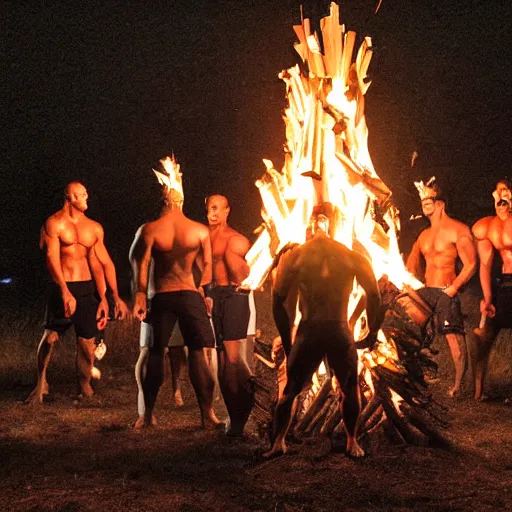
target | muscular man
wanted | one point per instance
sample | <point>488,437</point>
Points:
<point>321,273</point>
<point>493,234</point>
<point>440,245</point>
<point>173,242</point>
<point>75,253</point>
<point>230,312</point>
<point>175,347</point>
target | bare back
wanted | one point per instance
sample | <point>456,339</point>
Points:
<point>324,271</point>
<point>176,242</point>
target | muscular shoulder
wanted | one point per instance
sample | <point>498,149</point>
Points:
<point>481,227</point>
<point>237,241</point>
<point>461,230</point>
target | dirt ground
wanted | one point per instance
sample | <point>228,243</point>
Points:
<point>70,456</point>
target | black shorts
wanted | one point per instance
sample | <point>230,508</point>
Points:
<point>230,313</point>
<point>187,307</point>
<point>447,310</point>
<point>503,318</point>
<point>84,318</point>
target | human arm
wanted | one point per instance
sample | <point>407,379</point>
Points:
<point>121,309</point>
<point>467,254</point>
<point>236,248</point>
<point>53,263</point>
<point>285,296</point>
<point>366,278</point>
<point>140,259</point>
<point>486,256</point>
<point>413,262</point>
<point>101,286</point>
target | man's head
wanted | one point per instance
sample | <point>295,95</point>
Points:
<point>431,197</point>
<point>171,181</point>
<point>217,210</point>
<point>321,219</point>
<point>502,196</point>
<point>76,195</point>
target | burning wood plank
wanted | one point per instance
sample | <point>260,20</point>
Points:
<point>327,159</point>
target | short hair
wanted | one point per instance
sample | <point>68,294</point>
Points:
<point>207,199</point>
<point>69,186</point>
<point>505,182</point>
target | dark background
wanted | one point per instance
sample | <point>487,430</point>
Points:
<point>100,91</point>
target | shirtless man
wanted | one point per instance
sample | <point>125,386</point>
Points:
<point>440,245</point>
<point>493,234</point>
<point>75,253</point>
<point>173,242</point>
<point>175,346</point>
<point>321,274</point>
<point>230,313</point>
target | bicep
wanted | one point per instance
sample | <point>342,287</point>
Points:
<point>466,249</point>
<point>238,245</point>
<point>286,275</point>
<point>485,252</point>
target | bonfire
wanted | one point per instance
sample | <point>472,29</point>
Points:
<point>327,159</point>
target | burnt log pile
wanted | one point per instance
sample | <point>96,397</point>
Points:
<point>397,406</point>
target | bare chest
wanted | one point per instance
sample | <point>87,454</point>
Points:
<point>437,243</point>
<point>80,233</point>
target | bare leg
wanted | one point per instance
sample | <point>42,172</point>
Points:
<point>177,360</point>
<point>44,352</point>
<point>84,365</point>
<point>151,383</point>
<point>483,350</point>
<point>304,359</point>
<point>456,342</point>
<point>235,383</point>
<point>203,384</point>
<point>140,372</point>
<point>212,360</point>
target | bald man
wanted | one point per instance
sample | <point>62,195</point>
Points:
<point>230,313</point>
<point>76,256</point>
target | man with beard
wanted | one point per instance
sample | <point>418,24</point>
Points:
<point>440,245</point>
<point>321,274</point>
<point>493,234</point>
<point>173,242</point>
<point>75,254</point>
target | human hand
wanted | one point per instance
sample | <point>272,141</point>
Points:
<point>209,305</point>
<point>450,291</point>
<point>122,310</point>
<point>140,308</point>
<point>487,308</point>
<point>69,303</point>
<point>102,314</point>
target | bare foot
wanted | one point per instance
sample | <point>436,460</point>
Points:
<point>211,422</point>
<point>482,397</point>
<point>354,450</point>
<point>453,392</point>
<point>35,397</point>
<point>178,399</point>
<point>142,423</point>
<point>86,391</point>
<point>277,450</point>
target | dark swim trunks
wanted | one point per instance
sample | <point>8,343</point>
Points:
<point>187,307</point>
<point>230,313</point>
<point>447,310</point>
<point>503,318</point>
<point>84,318</point>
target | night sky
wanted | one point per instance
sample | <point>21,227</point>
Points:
<point>100,91</point>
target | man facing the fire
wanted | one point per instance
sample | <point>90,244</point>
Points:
<point>321,275</point>
<point>173,242</point>
<point>493,234</point>
<point>230,313</point>
<point>440,245</point>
